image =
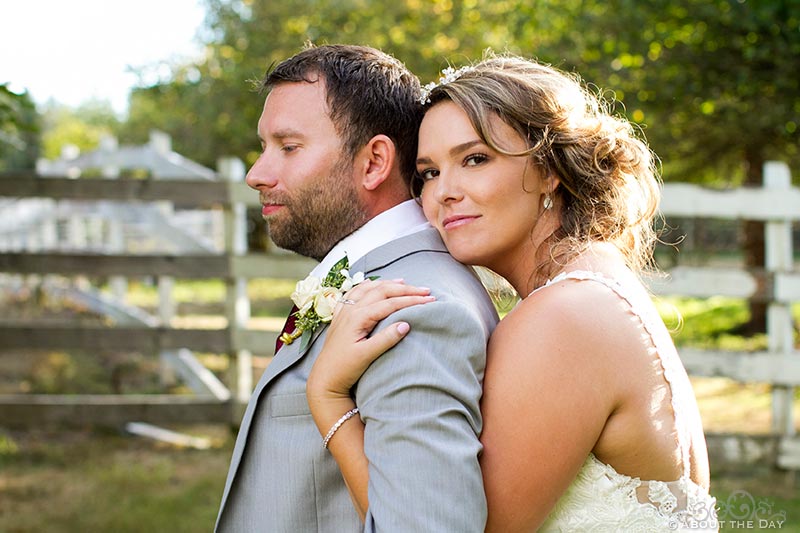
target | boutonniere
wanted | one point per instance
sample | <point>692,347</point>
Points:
<point>316,299</point>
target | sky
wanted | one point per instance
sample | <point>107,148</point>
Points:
<point>72,51</point>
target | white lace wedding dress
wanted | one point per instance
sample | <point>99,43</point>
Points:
<point>602,500</point>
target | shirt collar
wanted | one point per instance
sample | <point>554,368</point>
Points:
<point>401,220</point>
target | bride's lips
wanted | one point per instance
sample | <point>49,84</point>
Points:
<point>457,221</point>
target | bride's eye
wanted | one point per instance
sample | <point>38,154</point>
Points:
<point>474,160</point>
<point>428,174</point>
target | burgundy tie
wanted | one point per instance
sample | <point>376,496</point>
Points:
<point>288,327</point>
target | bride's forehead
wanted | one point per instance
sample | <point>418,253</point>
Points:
<point>446,121</point>
<point>447,125</point>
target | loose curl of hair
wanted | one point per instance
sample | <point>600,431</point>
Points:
<point>609,185</point>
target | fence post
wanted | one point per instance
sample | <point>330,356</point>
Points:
<point>116,244</point>
<point>237,303</point>
<point>780,335</point>
<point>48,227</point>
<point>113,240</point>
<point>76,241</point>
<point>166,312</point>
<point>34,243</point>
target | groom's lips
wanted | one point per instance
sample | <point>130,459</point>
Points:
<point>269,206</point>
<point>270,209</point>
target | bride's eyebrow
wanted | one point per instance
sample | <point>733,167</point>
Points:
<point>454,151</point>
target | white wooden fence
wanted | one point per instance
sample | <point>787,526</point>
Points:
<point>92,246</point>
<point>778,205</point>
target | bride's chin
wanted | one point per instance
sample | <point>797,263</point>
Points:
<point>468,257</point>
<point>464,251</point>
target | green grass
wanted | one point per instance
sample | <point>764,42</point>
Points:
<point>92,481</point>
<point>707,323</point>
<point>78,481</point>
<point>697,322</point>
<point>209,291</point>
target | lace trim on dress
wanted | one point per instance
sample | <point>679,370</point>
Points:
<point>602,499</point>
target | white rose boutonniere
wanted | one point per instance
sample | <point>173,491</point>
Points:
<point>317,298</point>
<point>304,293</point>
<point>325,302</point>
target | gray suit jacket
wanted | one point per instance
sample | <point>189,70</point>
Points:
<point>420,404</point>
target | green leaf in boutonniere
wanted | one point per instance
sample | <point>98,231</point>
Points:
<point>337,274</point>
<point>305,338</point>
<point>317,298</point>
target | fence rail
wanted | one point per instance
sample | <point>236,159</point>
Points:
<point>183,193</point>
<point>194,266</point>
<point>777,204</point>
<point>106,409</point>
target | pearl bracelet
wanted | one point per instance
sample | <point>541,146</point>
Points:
<point>345,417</point>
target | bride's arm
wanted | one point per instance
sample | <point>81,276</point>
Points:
<point>347,353</point>
<point>548,391</point>
<point>347,447</point>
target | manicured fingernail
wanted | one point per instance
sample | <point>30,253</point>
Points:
<point>403,327</point>
<point>429,298</point>
<point>398,280</point>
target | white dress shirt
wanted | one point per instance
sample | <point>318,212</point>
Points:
<point>399,221</point>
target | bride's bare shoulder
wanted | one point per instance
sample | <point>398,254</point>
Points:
<point>572,318</point>
<point>565,302</point>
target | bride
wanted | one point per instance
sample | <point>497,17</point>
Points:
<point>590,422</point>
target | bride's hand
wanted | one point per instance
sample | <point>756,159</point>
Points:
<point>348,348</point>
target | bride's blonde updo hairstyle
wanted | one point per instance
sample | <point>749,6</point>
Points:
<point>609,188</point>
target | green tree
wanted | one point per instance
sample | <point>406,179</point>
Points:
<point>712,82</point>
<point>716,83</point>
<point>211,109</point>
<point>697,73</point>
<point>19,130</point>
<point>82,126</point>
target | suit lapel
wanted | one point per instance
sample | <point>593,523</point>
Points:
<point>288,355</point>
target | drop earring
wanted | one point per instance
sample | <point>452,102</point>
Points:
<point>548,202</point>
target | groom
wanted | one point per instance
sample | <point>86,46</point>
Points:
<point>338,133</point>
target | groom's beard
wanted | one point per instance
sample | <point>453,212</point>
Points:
<point>319,215</point>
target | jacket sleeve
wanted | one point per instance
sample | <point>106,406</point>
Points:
<point>420,403</point>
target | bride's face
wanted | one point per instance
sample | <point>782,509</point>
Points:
<point>483,203</point>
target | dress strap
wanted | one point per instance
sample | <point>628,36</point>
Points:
<point>674,373</point>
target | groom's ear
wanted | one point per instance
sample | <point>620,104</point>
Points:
<point>376,159</point>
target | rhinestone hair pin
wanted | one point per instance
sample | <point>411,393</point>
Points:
<point>449,75</point>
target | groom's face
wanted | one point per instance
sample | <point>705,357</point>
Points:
<point>304,176</point>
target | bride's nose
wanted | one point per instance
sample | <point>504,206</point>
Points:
<point>447,188</point>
